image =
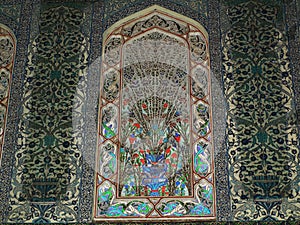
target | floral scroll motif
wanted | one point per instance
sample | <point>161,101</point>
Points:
<point>7,54</point>
<point>261,127</point>
<point>47,169</point>
<point>155,152</point>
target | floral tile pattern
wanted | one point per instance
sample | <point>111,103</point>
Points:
<point>50,141</point>
<point>47,170</point>
<point>7,54</point>
<point>12,11</point>
<point>155,121</point>
<point>261,122</point>
<point>114,6</point>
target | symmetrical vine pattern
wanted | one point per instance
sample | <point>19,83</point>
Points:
<point>261,127</point>
<point>7,54</point>
<point>47,170</point>
<point>114,6</point>
<point>155,154</point>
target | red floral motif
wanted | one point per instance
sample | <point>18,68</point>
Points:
<point>174,155</point>
<point>165,105</point>
<point>163,189</point>
<point>160,141</point>
<point>132,140</point>
<point>168,150</point>
<point>177,138</point>
<point>144,106</point>
<point>137,125</point>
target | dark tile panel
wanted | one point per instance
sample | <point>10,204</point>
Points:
<point>293,31</point>
<point>91,111</point>
<point>263,148</point>
<point>219,113</point>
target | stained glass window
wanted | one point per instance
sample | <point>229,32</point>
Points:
<point>7,53</point>
<point>155,150</point>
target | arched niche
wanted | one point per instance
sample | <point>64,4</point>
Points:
<point>154,158</point>
<point>7,55</point>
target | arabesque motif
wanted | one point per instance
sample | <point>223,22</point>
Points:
<point>155,155</point>
<point>7,54</point>
<point>113,7</point>
<point>261,126</point>
<point>47,171</point>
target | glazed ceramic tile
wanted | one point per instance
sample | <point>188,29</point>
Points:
<point>7,54</point>
<point>261,123</point>
<point>155,154</point>
<point>47,167</point>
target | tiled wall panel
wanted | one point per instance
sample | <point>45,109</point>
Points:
<point>262,135</point>
<point>46,177</point>
<point>48,157</point>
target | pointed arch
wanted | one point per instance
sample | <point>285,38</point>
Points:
<point>7,56</point>
<point>154,157</point>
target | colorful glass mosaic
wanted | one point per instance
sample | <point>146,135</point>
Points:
<point>261,123</point>
<point>155,150</point>
<point>7,54</point>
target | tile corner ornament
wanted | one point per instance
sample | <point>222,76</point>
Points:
<point>154,158</point>
<point>7,54</point>
<point>261,124</point>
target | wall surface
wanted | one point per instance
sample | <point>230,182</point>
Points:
<point>48,153</point>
